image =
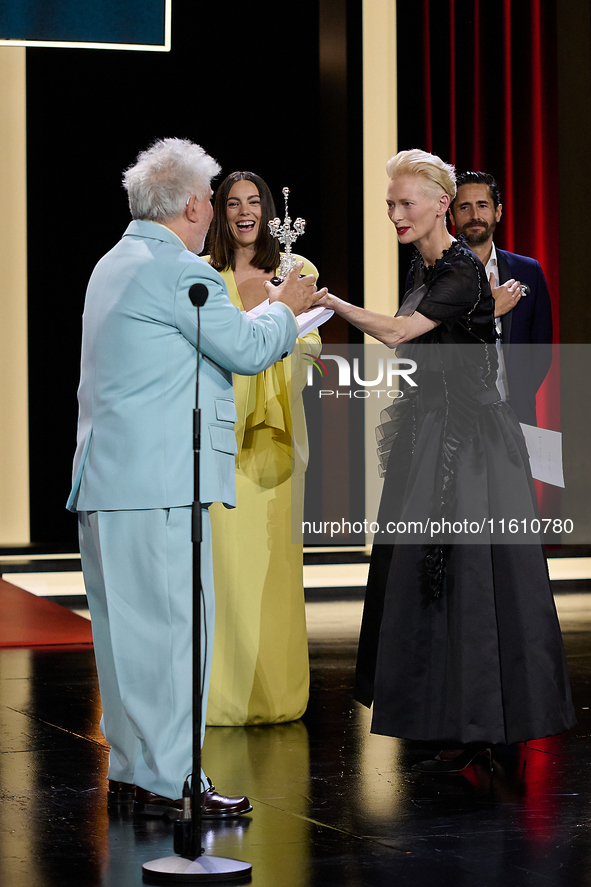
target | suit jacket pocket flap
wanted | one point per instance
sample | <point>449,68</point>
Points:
<point>223,439</point>
<point>225,410</point>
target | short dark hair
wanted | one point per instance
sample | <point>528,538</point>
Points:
<point>221,245</point>
<point>479,178</point>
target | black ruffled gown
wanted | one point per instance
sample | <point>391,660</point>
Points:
<point>460,640</point>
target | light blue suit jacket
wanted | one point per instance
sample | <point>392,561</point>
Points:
<point>137,385</point>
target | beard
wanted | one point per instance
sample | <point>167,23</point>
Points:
<point>475,238</point>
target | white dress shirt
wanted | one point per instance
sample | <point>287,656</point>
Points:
<point>492,267</point>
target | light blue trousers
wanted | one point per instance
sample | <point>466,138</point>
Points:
<point>138,574</point>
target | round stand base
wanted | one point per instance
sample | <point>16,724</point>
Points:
<point>203,869</point>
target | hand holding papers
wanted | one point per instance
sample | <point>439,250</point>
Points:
<point>307,321</point>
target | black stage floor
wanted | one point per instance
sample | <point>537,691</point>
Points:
<point>333,805</point>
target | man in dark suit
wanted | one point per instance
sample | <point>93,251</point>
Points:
<point>522,302</point>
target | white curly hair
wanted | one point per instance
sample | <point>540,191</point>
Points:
<point>165,176</point>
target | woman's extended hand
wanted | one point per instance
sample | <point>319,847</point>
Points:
<point>326,300</point>
<point>299,293</point>
<point>390,330</point>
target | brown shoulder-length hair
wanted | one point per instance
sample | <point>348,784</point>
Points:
<point>220,243</point>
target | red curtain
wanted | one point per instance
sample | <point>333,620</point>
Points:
<point>488,93</point>
<point>477,84</point>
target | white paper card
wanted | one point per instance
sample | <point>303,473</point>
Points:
<point>307,321</point>
<point>545,454</point>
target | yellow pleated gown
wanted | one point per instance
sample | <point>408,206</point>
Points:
<point>260,670</point>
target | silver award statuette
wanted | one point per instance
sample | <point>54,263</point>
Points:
<point>286,236</point>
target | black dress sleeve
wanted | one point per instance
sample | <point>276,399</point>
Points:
<point>454,291</point>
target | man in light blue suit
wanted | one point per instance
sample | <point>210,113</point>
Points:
<point>133,469</point>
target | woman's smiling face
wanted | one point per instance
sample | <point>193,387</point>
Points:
<point>243,211</point>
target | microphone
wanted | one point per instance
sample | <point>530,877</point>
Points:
<point>198,294</point>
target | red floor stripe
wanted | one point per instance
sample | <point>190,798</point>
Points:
<point>27,620</point>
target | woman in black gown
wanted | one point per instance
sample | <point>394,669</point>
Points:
<point>460,643</point>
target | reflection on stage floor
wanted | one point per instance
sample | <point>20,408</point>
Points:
<point>333,805</point>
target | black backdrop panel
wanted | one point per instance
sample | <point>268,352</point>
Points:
<point>102,21</point>
<point>246,86</point>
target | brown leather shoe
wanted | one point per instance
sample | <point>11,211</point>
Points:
<point>149,804</point>
<point>213,805</point>
<point>216,806</point>
<point>120,793</point>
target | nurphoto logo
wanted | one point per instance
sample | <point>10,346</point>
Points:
<point>315,363</point>
<point>388,370</point>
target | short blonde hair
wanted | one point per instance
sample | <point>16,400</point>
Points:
<point>438,176</point>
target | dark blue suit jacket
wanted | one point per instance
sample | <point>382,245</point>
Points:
<point>529,323</point>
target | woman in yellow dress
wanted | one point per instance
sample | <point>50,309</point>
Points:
<point>260,671</point>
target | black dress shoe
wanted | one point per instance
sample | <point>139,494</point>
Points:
<point>120,793</point>
<point>213,805</point>
<point>456,765</point>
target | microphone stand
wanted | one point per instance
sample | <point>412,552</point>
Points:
<point>192,865</point>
